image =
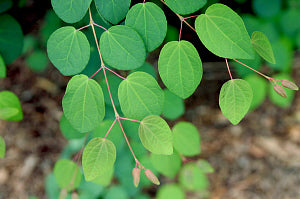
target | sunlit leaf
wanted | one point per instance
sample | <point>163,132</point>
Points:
<point>10,107</point>
<point>140,96</point>
<point>122,48</point>
<point>2,147</point>
<point>262,46</point>
<point>150,22</point>
<point>98,158</point>
<point>170,191</point>
<point>180,67</point>
<point>68,50</point>
<point>223,32</point>
<point>192,178</point>
<point>67,174</point>
<point>156,135</point>
<point>168,165</point>
<point>235,99</point>
<point>186,139</point>
<point>83,103</point>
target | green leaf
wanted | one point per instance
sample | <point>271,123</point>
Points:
<point>70,11</point>
<point>173,106</point>
<point>98,158</point>
<point>204,166</point>
<point>67,129</point>
<point>2,147</point>
<point>113,10</point>
<point>105,178</point>
<point>167,165</point>
<point>5,5</point>
<point>67,174</point>
<point>115,135</point>
<point>150,22</point>
<point>223,32</point>
<point>235,99</point>
<point>266,8</point>
<point>147,68</point>
<point>185,7</point>
<point>2,68</point>
<point>186,139</point>
<point>170,191</point>
<point>140,96</point>
<point>192,178</point>
<point>113,82</point>
<point>259,88</point>
<point>277,99</point>
<point>11,43</point>
<point>68,50</point>
<point>180,67</point>
<point>262,46</point>
<point>10,107</point>
<point>284,56</point>
<point>156,135</point>
<point>122,48</point>
<point>116,192</point>
<point>37,61</point>
<point>289,21</point>
<point>83,103</point>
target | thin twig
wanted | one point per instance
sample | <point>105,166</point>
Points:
<point>114,73</point>
<point>228,68</point>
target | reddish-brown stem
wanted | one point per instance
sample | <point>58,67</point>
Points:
<point>114,73</point>
<point>144,1</point>
<point>112,125</point>
<point>83,27</point>
<point>99,26</point>
<point>265,76</point>
<point>228,68</point>
<point>190,17</point>
<point>78,155</point>
<point>110,96</point>
<point>127,141</point>
<point>180,30</point>
<point>95,73</point>
<point>95,37</point>
<point>124,118</point>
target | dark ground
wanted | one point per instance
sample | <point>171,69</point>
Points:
<point>259,158</point>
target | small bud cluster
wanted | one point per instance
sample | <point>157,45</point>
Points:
<point>136,173</point>
<point>285,83</point>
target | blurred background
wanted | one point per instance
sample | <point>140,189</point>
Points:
<point>259,158</point>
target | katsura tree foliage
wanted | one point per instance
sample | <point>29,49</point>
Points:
<point>114,93</point>
<point>11,44</point>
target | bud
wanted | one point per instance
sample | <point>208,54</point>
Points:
<point>151,177</point>
<point>288,84</point>
<point>74,196</point>
<point>63,194</point>
<point>136,173</point>
<point>280,90</point>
